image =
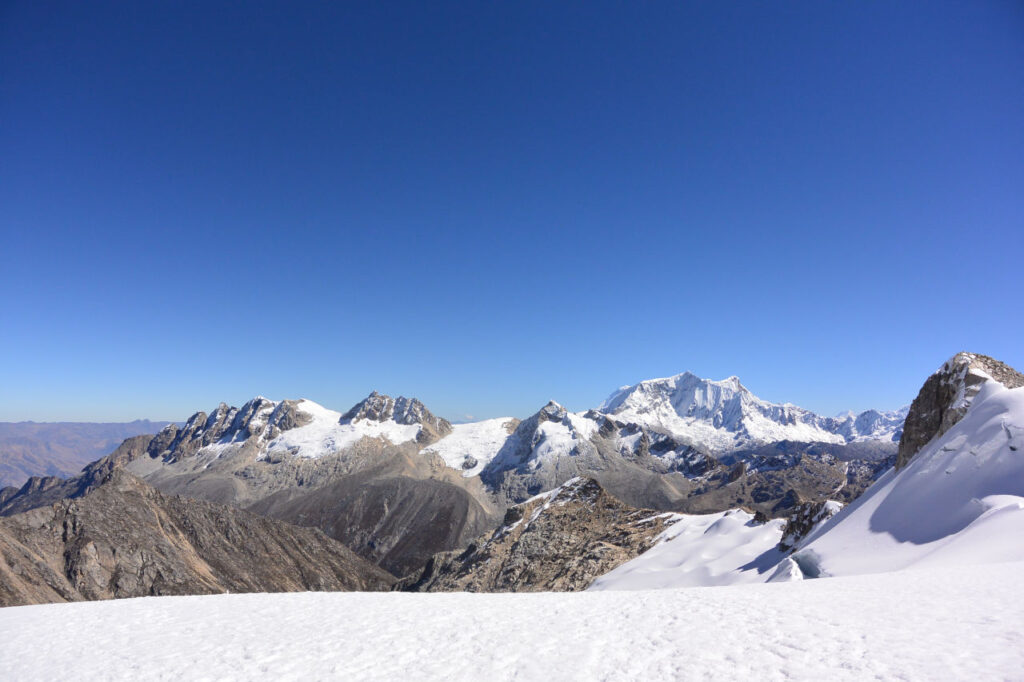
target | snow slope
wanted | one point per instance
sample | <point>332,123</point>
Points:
<point>477,440</point>
<point>939,624</point>
<point>960,500</point>
<point>702,550</point>
<point>325,435</point>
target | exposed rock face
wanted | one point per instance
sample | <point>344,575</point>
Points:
<point>561,541</point>
<point>378,479</point>
<point>945,397</point>
<point>122,538</point>
<point>392,509</point>
<point>804,520</point>
<point>402,410</point>
<point>259,418</point>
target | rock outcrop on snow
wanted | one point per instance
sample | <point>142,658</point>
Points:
<point>958,495</point>
<point>805,520</point>
<point>122,538</point>
<point>946,397</point>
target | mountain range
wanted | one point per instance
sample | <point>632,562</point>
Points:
<point>676,481</point>
<point>397,484</point>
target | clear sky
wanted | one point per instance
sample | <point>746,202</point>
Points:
<point>487,205</point>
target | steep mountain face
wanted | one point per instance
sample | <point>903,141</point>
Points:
<point>946,396</point>
<point>122,538</point>
<point>723,416</point>
<point>558,541</point>
<point>59,449</point>
<point>958,500</point>
<point>357,476</point>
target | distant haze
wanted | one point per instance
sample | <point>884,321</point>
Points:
<point>59,449</point>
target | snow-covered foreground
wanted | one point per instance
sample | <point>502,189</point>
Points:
<point>941,623</point>
<point>960,500</point>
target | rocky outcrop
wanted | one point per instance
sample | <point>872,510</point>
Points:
<point>402,410</point>
<point>946,396</point>
<point>804,520</point>
<point>122,538</point>
<point>559,541</point>
<point>259,418</point>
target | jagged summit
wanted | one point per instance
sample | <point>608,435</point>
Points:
<point>552,412</point>
<point>405,411</point>
<point>681,386</point>
<point>302,427</point>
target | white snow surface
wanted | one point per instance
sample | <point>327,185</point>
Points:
<point>324,435</point>
<point>702,550</point>
<point>960,500</point>
<point>953,623</point>
<point>480,440</point>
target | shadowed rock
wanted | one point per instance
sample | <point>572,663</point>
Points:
<point>122,538</point>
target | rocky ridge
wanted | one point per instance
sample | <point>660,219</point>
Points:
<point>558,541</point>
<point>122,538</point>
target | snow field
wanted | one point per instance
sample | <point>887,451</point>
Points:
<point>935,624</point>
<point>726,548</point>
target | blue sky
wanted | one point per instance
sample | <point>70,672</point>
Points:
<point>490,205</point>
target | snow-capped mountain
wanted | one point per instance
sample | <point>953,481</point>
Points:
<point>724,416</point>
<point>300,428</point>
<point>674,424</point>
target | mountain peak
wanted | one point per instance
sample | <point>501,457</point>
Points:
<point>552,412</point>
<point>406,411</point>
<point>725,416</point>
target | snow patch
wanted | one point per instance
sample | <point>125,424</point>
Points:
<point>702,550</point>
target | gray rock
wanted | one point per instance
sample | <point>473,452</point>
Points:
<point>946,396</point>
<point>561,541</point>
<point>122,538</point>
